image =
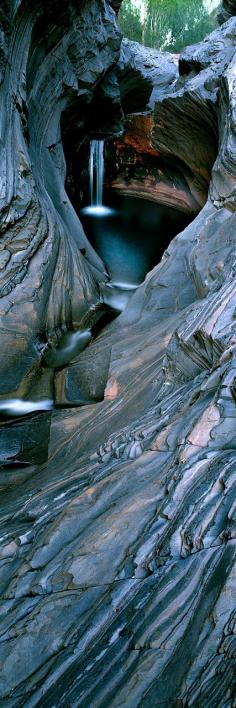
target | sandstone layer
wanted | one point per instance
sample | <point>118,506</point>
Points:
<point>117,517</point>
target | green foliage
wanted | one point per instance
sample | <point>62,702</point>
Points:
<point>130,22</point>
<point>168,24</point>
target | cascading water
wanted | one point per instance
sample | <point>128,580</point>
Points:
<point>96,172</point>
<point>96,180</point>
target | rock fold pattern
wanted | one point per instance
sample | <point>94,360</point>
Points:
<point>117,544</point>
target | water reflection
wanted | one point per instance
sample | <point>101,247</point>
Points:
<point>168,24</point>
<point>131,239</point>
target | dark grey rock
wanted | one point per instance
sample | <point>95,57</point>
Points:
<point>118,550</point>
<point>228,9</point>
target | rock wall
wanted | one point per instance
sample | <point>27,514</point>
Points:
<point>175,120</point>
<point>54,59</point>
<point>118,551</point>
<point>228,9</point>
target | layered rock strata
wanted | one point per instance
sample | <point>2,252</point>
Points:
<point>174,128</point>
<point>118,551</point>
<point>46,284</point>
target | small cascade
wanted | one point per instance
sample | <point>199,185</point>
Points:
<point>96,172</point>
<point>96,181</point>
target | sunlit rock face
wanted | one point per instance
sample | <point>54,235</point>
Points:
<point>118,517</point>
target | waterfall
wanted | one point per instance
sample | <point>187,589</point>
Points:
<point>96,180</point>
<point>96,172</point>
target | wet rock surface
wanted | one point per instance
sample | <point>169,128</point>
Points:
<point>118,546</point>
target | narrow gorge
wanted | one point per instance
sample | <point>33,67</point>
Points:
<point>118,358</point>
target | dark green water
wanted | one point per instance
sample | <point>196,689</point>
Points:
<point>169,25</point>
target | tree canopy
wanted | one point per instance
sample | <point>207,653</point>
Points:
<point>167,24</point>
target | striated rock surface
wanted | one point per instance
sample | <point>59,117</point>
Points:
<point>55,59</point>
<point>118,548</point>
<point>179,128</point>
